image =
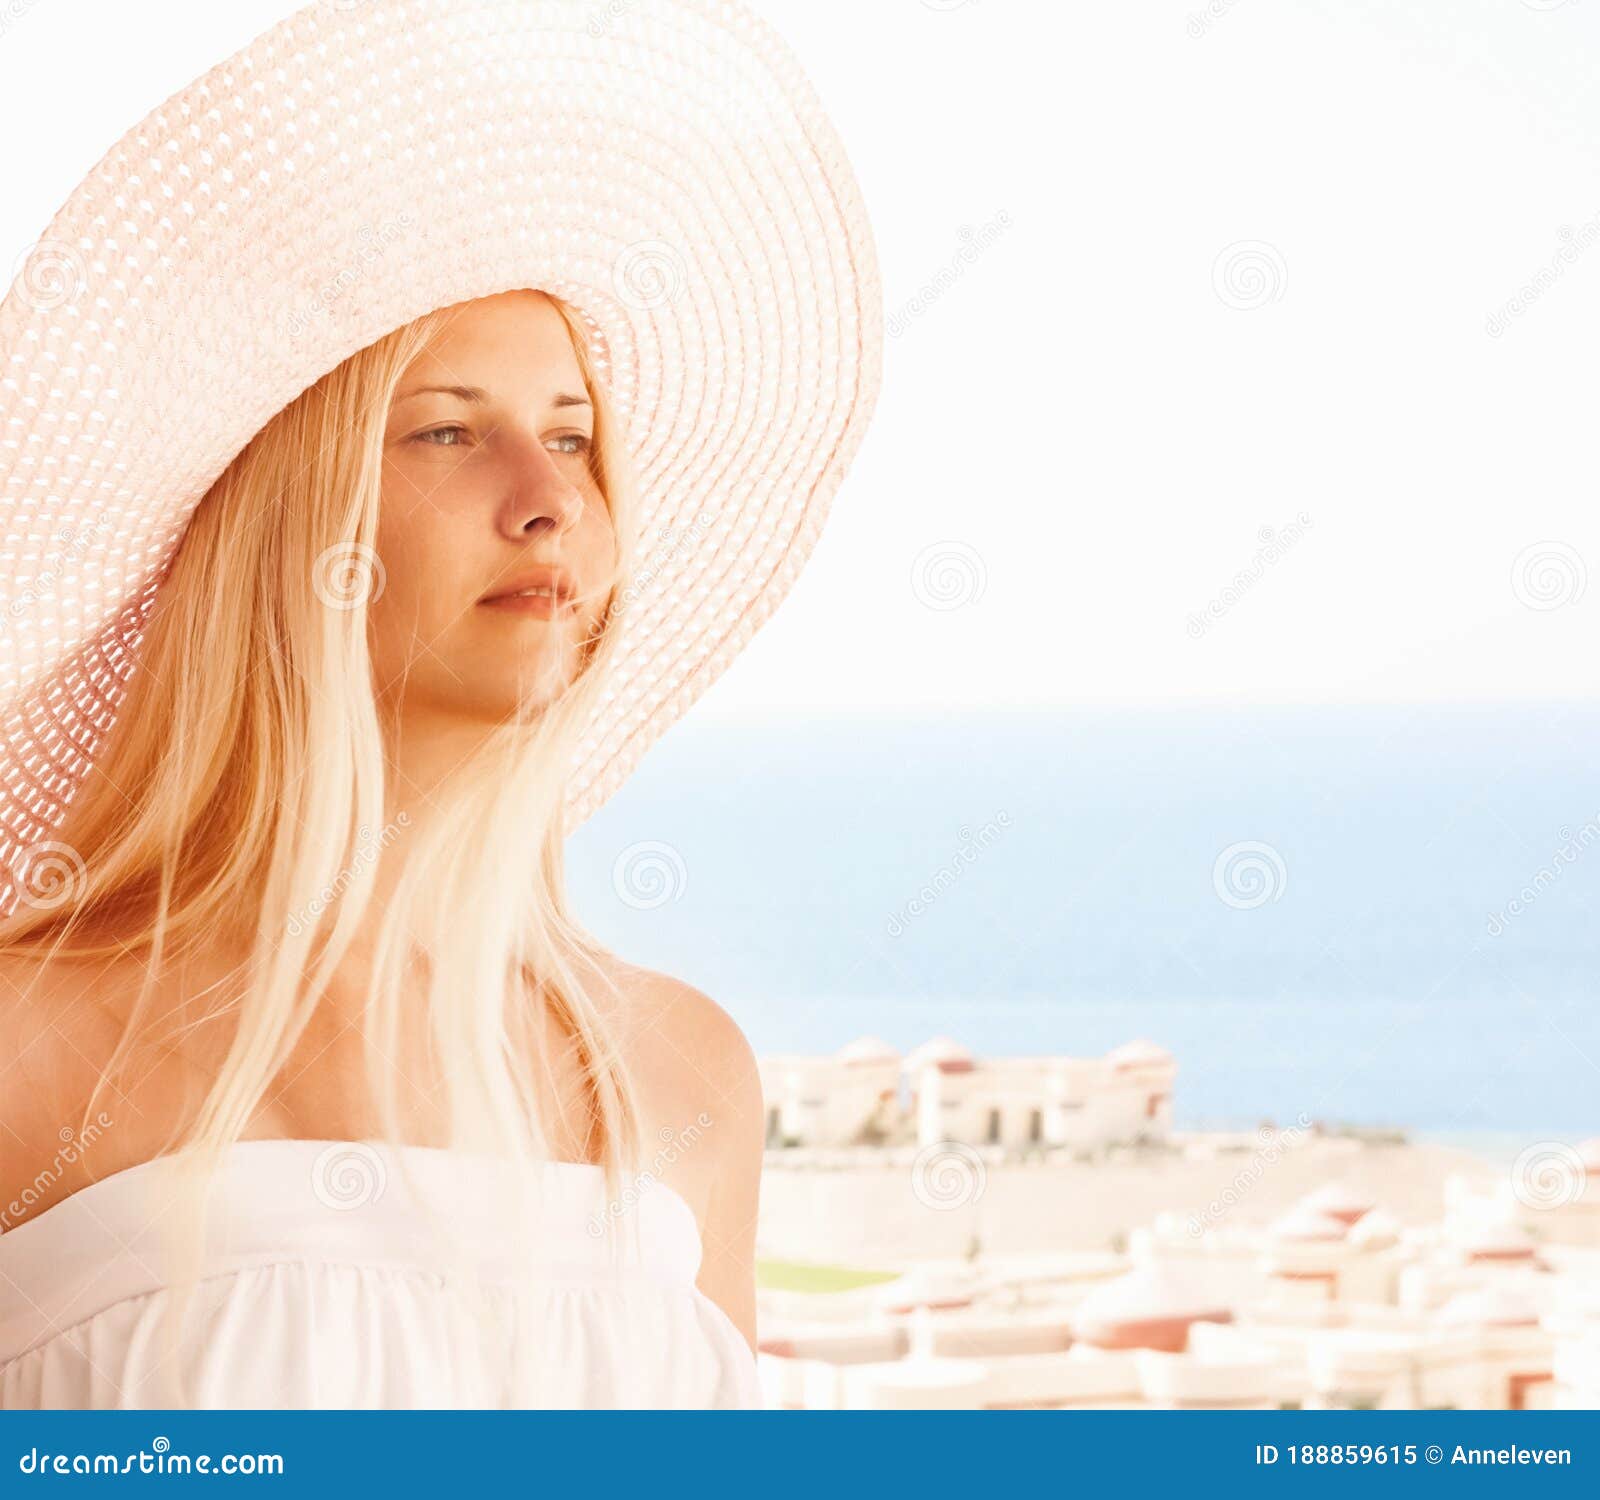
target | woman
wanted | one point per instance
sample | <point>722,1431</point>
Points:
<point>317,1092</point>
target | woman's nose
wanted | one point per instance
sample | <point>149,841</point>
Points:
<point>538,495</point>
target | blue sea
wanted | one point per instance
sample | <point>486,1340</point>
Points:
<point>1335,911</point>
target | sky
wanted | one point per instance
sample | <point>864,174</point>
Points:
<point>1236,351</point>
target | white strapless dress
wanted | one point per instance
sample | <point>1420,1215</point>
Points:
<point>329,1287</point>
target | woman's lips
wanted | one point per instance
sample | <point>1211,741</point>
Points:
<point>535,606</point>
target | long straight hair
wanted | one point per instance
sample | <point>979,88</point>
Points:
<point>247,772</point>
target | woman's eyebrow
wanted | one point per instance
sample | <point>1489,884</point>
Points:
<point>478,396</point>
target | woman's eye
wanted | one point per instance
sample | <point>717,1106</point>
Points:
<point>582,442</point>
<point>439,432</point>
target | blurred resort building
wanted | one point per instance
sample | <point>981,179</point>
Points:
<point>940,1230</point>
<point>867,1094</point>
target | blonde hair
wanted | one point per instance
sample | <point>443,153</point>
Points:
<point>264,771</point>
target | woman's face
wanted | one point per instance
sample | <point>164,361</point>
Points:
<point>486,489</point>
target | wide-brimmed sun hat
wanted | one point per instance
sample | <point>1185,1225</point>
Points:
<point>662,165</point>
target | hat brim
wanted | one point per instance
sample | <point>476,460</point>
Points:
<point>663,165</point>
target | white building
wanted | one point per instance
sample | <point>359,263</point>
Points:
<point>848,1099</point>
<point>855,1097</point>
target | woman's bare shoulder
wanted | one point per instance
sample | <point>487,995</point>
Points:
<point>55,1032</point>
<point>679,1034</point>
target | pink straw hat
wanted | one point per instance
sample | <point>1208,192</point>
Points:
<point>662,165</point>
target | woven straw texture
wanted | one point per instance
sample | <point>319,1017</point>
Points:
<point>661,164</point>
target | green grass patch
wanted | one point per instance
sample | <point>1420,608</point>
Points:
<point>797,1276</point>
